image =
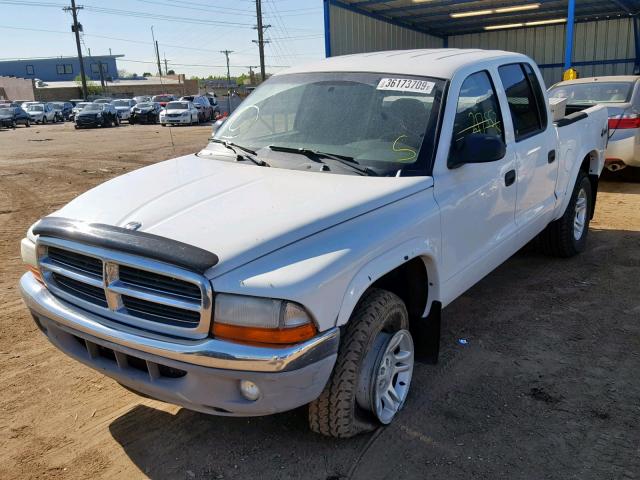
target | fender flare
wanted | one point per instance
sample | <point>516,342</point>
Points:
<point>385,263</point>
<point>596,164</point>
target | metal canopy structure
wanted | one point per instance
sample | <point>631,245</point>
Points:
<point>598,37</point>
<point>443,18</point>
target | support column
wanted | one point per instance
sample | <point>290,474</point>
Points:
<point>327,29</point>
<point>568,50</point>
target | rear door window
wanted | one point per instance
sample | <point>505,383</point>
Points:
<point>528,112</point>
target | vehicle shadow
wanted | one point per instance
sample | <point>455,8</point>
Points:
<point>194,445</point>
<point>624,181</point>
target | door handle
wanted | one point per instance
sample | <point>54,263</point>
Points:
<point>509,177</point>
<point>551,157</point>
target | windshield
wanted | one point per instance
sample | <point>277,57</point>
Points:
<point>592,93</point>
<point>162,98</point>
<point>380,120</point>
<point>81,105</point>
<point>93,107</point>
<point>58,106</point>
<point>177,106</point>
<point>6,111</point>
<point>121,103</point>
<point>144,105</point>
<point>35,108</point>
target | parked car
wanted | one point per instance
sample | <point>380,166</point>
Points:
<point>97,115</point>
<point>163,99</point>
<point>103,100</point>
<point>63,110</point>
<point>145,112</point>
<point>78,107</point>
<point>231,288</point>
<point>213,101</point>
<point>76,101</point>
<point>42,112</point>
<point>142,98</point>
<point>205,110</point>
<point>621,96</point>
<point>123,107</point>
<point>11,117</point>
<point>179,113</point>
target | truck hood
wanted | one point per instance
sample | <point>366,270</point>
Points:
<point>238,211</point>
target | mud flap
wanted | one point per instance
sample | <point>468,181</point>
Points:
<point>426,335</point>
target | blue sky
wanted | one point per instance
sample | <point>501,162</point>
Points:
<point>191,43</point>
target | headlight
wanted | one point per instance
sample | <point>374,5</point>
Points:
<point>260,320</point>
<point>184,114</point>
<point>99,115</point>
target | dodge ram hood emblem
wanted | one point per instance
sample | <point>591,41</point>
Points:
<point>133,225</point>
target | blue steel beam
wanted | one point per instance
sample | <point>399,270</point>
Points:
<point>568,48</point>
<point>327,29</point>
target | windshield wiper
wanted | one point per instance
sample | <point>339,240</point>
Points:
<point>316,156</point>
<point>232,146</point>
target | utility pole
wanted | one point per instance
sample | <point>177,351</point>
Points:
<point>226,54</point>
<point>155,43</point>
<point>77,28</point>
<point>166,68</point>
<point>261,41</point>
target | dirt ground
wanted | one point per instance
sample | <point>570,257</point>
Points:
<point>547,385</point>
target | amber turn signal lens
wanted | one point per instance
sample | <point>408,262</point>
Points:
<point>36,274</point>
<point>282,336</point>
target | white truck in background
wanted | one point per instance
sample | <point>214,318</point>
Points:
<point>304,256</point>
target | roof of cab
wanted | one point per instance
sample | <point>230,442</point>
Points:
<point>435,62</point>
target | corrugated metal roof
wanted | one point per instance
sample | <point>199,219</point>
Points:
<point>435,16</point>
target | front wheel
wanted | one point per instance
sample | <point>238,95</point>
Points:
<point>371,378</point>
<point>44,120</point>
<point>27,123</point>
<point>567,236</point>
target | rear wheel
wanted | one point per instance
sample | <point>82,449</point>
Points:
<point>27,123</point>
<point>567,236</point>
<point>44,120</point>
<point>372,375</point>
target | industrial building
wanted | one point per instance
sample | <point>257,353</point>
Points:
<point>60,69</point>
<point>596,37</point>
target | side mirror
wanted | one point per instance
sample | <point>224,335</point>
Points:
<point>217,124</point>
<point>476,148</point>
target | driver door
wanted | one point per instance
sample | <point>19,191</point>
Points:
<point>477,200</point>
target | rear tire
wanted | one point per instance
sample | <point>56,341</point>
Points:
<point>342,410</point>
<point>44,120</point>
<point>27,123</point>
<point>567,236</point>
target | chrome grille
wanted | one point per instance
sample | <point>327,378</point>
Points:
<point>128,289</point>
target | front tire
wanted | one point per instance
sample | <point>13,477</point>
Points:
<point>375,358</point>
<point>567,236</point>
<point>44,120</point>
<point>27,123</point>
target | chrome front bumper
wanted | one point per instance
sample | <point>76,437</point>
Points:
<point>201,375</point>
<point>207,352</point>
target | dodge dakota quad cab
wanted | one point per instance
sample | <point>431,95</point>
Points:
<point>304,256</point>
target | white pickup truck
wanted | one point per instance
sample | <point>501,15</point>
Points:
<point>304,256</point>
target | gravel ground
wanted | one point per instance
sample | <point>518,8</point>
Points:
<point>547,385</point>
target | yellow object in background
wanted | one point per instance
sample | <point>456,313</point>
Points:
<point>570,74</point>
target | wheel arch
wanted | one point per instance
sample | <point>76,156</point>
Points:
<point>414,279</point>
<point>591,164</point>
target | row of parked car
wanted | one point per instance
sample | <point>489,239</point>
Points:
<point>163,109</point>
